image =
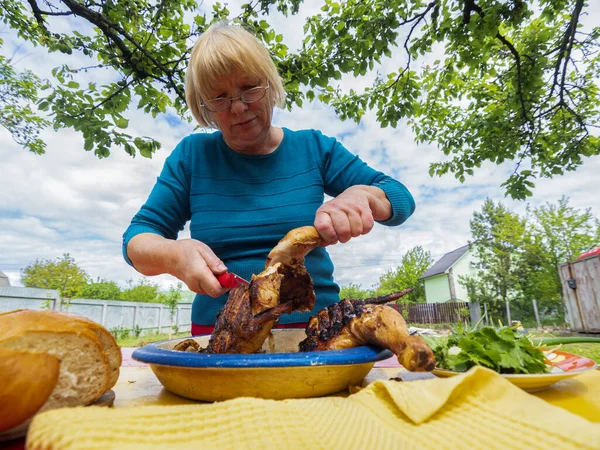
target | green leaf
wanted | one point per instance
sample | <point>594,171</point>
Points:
<point>121,122</point>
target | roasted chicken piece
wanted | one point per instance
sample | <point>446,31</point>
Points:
<point>294,246</point>
<point>351,323</point>
<point>284,286</point>
<point>246,320</point>
<point>187,345</point>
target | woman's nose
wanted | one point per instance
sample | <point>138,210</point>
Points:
<point>238,106</point>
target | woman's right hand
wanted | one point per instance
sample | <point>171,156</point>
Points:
<point>189,260</point>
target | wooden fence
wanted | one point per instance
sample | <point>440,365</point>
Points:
<point>450,312</point>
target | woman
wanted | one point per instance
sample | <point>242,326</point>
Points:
<point>246,185</point>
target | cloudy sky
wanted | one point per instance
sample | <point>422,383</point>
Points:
<point>68,201</point>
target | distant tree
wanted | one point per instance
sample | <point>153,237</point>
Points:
<point>498,236</point>
<point>171,299</point>
<point>62,274</point>
<point>101,289</point>
<point>352,291</point>
<point>557,233</point>
<point>413,264</point>
<point>143,291</point>
<point>565,231</point>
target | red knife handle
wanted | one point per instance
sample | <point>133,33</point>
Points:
<point>227,280</point>
<point>230,280</point>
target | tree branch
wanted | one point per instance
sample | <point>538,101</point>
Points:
<point>417,19</point>
<point>37,13</point>
<point>110,30</point>
<point>571,37</point>
<point>470,5</point>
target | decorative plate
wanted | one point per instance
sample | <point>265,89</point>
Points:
<point>563,365</point>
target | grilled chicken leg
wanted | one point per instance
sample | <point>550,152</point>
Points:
<point>351,323</point>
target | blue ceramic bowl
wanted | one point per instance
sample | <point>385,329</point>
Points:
<point>284,373</point>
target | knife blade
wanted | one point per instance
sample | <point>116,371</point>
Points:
<point>231,280</point>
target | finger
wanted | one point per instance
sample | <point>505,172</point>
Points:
<point>341,224</point>
<point>206,287</point>
<point>324,227</point>
<point>213,262</point>
<point>215,292</point>
<point>356,223</point>
<point>204,282</point>
<point>212,286</point>
<point>367,221</point>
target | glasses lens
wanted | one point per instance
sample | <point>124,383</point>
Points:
<point>218,104</point>
<point>253,95</point>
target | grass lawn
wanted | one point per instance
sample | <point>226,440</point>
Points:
<point>140,341</point>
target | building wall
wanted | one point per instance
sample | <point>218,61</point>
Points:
<point>437,289</point>
<point>463,267</point>
<point>4,281</point>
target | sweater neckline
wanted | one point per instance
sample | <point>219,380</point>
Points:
<point>224,146</point>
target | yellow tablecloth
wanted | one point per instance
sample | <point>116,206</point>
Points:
<point>477,410</point>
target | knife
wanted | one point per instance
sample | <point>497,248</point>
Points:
<point>231,280</point>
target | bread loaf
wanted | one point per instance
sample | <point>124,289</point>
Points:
<point>28,379</point>
<point>88,358</point>
<point>109,346</point>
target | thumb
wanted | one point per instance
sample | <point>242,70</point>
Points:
<point>213,262</point>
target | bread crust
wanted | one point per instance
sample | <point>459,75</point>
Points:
<point>28,379</point>
<point>84,370</point>
<point>107,341</point>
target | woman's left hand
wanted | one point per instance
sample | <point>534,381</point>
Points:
<point>351,214</point>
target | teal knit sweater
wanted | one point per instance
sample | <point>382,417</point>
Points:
<point>241,205</point>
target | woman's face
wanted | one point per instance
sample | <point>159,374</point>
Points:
<point>245,127</point>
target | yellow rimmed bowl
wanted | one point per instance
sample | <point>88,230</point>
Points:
<point>280,372</point>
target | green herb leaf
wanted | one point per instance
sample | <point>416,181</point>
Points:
<point>502,350</point>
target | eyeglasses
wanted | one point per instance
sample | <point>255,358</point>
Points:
<point>248,96</point>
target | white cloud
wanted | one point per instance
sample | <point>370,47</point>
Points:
<point>68,201</point>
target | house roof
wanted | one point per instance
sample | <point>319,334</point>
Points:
<point>445,262</point>
<point>4,281</point>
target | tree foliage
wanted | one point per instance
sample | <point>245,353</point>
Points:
<point>413,264</point>
<point>101,289</point>
<point>406,275</point>
<point>519,256</point>
<point>485,80</point>
<point>498,236</point>
<point>143,291</point>
<point>170,299</point>
<point>64,275</point>
<point>557,233</point>
<point>17,91</point>
<point>61,274</point>
<point>353,291</point>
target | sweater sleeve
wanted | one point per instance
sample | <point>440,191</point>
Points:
<point>342,169</point>
<point>167,208</point>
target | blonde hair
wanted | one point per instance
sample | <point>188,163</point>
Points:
<point>223,51</point>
